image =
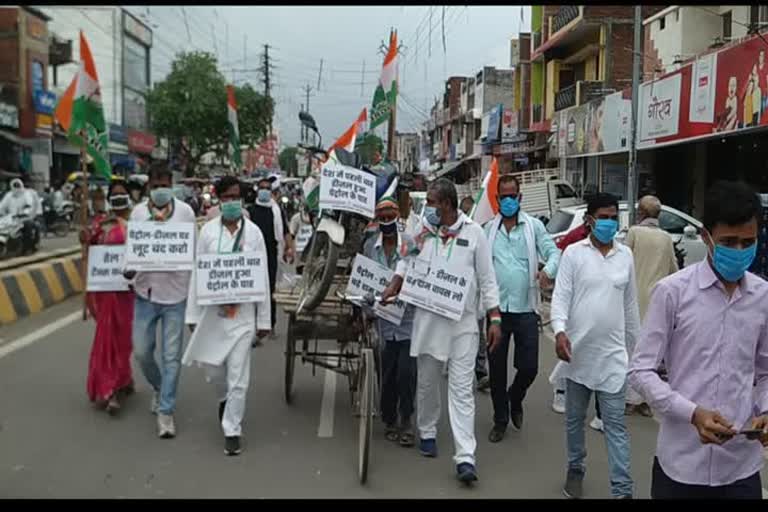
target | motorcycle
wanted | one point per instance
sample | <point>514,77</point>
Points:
<point>58,220</point>
<point>337,234</point>
<point>19,234</point>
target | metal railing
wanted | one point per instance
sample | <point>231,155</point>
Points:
<point>565,15</point>
<point>565,97</point>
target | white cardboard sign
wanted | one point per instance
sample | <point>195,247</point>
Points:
<point>160,246</point>
<point>437,286</point>
<point>347,189</point>
<point>233,278</point>
<point>105,269</point>
<point>369,276</point>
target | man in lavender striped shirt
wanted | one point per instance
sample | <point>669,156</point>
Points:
<point>709,322</point>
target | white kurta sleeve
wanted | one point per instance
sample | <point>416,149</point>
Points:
<point>263,309</point>
<point>486,275</point>
<point>561,297</point>
<point>631,310</point>
<point>193,311</point>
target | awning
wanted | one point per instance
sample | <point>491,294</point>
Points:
<point>14,138</point>
<point>447,168</point>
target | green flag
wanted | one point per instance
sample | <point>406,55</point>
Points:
<point>386,91</point>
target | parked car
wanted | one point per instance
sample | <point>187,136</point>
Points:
<point>681,227</point>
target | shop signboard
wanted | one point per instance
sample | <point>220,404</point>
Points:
<point>659,112</point>
<point>45,102</point>
<point>117,134</point>
<point>9,116</point>
<point>494,123</point>
<point>508,125</point>
<point>141,142</point>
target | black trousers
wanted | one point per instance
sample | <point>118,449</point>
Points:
<point>272,270</point>
<point>664,488</point>
<point>525,329</point>
<point>398,387</point>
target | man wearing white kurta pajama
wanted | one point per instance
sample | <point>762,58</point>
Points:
<point>437,339</point>
<point>222,339</point>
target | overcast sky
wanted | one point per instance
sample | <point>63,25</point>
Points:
<point>343,37</point>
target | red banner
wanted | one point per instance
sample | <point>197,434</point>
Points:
<point>263,156</point>
<point>141,142</point>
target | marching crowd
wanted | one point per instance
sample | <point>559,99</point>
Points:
<point>689,346</point>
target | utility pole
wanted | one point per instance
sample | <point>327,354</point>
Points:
<point>302,128</point>
<point>392,110</point>
<point>320,74</point>
<point>632,174</point>
<point>266,68</point>
<point>307,90</point>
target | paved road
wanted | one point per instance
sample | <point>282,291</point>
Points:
<point>53,444</point>
<point>53,242</point>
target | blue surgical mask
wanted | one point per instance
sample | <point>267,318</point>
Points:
<point>431,216</point>
<point>263,196</point>
<point>232,210</point>
<point>509,206</point>
<point>605,229</point>
<point>161,196</point>
<point>731,263</point>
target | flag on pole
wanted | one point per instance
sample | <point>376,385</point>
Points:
<point>348,138</point>
<point>81,114</point>
<point>486,204</point>
<point>234,130</point>
<point>311,190</point>
<point>386,90</point>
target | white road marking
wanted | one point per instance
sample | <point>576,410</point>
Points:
<point>765,494</point>
<point>39,334</point>
<point>327,407</point>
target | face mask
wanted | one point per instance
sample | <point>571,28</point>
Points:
<point>161,196</point>
<point>263,196</point>
<point>120,202</point>
<point>605,229</point>
<point>731,263</point>
<point>509,206</point>
<point>232,210</point>
<point>431,216</point>
<point>388,228</point>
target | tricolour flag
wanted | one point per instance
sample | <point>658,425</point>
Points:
<point>311,190</point>
<point>386,90</point>
<point>81,114</point>
<point>234,130</point>
<point>348,138</point>
<point>486,204</point>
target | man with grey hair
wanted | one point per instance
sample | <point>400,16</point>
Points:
<point>654,255</point>
<point>449,237</point>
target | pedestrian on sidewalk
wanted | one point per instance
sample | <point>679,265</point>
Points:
<point>398,388</point>
<point>109,368</point>
<point>517,240</point>
<point>709,322</point>
<point>577,234</point>
<point>595,319</point>
<point>654,254</point>
<point>161,299</point>
<point>221,341</point>
<point>449,236</point>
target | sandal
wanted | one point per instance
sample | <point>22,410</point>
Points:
<point>391,434</point>
<point>112,405</point>
<point>406,439</point>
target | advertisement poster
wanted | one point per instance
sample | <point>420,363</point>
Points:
<point>659,110</point>
<point>508,125</point>
<point>702,108</point>
<point>741,93</point>
<point>576,130</point>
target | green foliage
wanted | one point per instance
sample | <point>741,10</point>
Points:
<point>190,106</point>
<point>287,159</point>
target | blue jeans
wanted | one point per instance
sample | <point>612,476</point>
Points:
<point>146,317</point>
<point>616,436</point>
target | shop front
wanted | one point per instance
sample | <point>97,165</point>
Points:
<point>141,144</point>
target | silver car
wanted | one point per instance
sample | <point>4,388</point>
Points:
<point>679,225</point>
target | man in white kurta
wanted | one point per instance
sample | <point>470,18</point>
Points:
<point>221,341</point>
<point>437,339</point>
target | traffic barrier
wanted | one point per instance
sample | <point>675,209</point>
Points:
<point>31,289</point>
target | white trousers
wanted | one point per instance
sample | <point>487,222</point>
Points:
<point>461,397</point>
<point>231,381</point>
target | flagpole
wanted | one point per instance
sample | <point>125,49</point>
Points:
<point>391,126</point>
<point>84,224</point>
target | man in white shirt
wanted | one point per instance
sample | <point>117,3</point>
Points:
<point>222,337</point>
<point>449,236</point>
<point>595,319</point>
<point>161,298</point>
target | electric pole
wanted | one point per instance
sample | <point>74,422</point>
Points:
<point>632,174</point>
<point>320,74</point>
<point>307,90</point>
<point>266,68</point>
<point>302,132</point>
<point>393,108</point>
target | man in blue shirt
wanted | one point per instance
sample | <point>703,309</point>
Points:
<point>517,240</point>
<point>398,388</point>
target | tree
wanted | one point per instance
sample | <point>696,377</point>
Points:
<point>189,108</point>
<point>370,148</point>
<point>288,162</point>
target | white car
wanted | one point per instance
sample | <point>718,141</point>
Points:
<point>678,224</point>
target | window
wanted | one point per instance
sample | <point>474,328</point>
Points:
<point>135,65</point>
<point>727,21</point>
<point>672,223</point>
<point>564,191</point>
<point>662,22</point>
<point>758,16</point>
<point>134,110</point>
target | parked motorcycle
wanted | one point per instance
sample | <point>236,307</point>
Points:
<point>58,220</point>
<point>19,234</point>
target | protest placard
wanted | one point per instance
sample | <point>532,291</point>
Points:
<point>303,237</point>
<point>105,269</point>
<point>233,278</point>
<point>160,246</point>
<point>438,287</point>
<point>348,189</point>
<point>369,276</point>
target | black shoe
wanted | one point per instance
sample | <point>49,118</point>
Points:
<point>466,473</point>
<point>232,446</point>
<point>573,488</point>
<point>222,406</point>
<point>497,433</point>
<point>517,420</point>
<point>483,383</point>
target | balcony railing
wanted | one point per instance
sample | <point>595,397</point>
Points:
<point>565,98</point>
<point>565,15</point>
<point>590,90</point>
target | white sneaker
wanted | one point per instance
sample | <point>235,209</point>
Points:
<point>558,403</point>
<point>166,429</point>
<point>596,424</point>
<point>153,405</point>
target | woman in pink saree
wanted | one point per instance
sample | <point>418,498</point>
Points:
<point>109,369</point>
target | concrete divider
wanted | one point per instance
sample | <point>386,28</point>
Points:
<point>29,290</point>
